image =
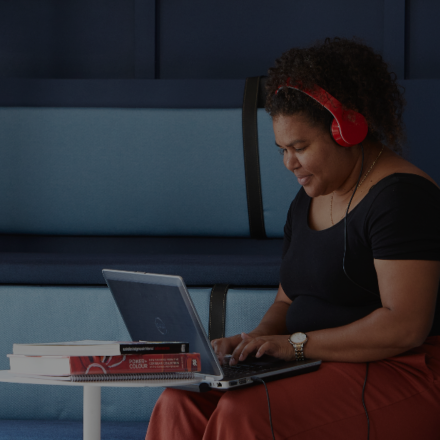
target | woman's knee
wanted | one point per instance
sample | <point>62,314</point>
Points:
<point>171,397</point>
<point>237,404</point>
<point>175,401</point>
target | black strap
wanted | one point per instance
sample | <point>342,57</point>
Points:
<point>217,311</point>
<point>251,158</point>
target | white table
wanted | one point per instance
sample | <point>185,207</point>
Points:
<point>92,395</point>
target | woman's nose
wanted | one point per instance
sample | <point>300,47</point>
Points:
<point>290,161</point>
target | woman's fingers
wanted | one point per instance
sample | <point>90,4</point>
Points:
<point>236,353</point>
<point>247,346</point>
<point>252,346</point>
<point>279,347</point>
<point>276,346</point>
<point>224,346</point>
<point>266,348</point>
<point>220,348</point>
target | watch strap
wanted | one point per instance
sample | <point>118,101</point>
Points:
<point>299,352</point>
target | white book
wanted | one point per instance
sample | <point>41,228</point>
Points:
<point>39,365</point>
<point>99,348</point>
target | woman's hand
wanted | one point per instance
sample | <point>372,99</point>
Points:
<point>224,346</point>
<point>274,345</point>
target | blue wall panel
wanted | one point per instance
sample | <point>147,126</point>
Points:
<point>421,118</point>
<point>422,39</point>
<point>394,36</point>
<point>127,39</point>
<point>76,38</point>
<point>231,39</point>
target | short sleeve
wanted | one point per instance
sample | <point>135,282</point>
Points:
<point>403,222</point>
<point>288,227</point>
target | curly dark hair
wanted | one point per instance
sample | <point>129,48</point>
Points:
<point>350,71</point>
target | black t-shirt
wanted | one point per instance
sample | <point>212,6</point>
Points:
<point>399,219</point>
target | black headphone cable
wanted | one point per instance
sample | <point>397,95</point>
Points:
<point>354,282</point>
<point>345,228</point>
<point>258,379</point>
<point>363,402</point>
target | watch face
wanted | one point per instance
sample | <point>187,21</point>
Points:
<point>298,338</point>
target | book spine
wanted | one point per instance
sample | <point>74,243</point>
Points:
<point>147,348</point>
<point>124,377</point>
<point>129,364</point>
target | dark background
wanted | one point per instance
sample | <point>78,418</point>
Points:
<point>108,52</point>
<point>198,39</point>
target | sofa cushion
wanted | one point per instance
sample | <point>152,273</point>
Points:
<point>28,259</point>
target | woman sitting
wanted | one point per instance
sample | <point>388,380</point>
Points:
<point>359,275</point>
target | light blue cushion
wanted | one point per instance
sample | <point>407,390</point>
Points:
<point>245,308</point>
<point>107,171</point>
<point>122,171</point>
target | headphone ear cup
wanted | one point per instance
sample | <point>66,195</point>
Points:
<point>336,134</point>
<point>348,128</point>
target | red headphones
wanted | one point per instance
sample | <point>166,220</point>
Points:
<point>348,127</point>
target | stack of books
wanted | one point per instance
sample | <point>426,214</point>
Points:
<point>83,361</point>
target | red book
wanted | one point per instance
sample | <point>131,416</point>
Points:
<point>143,363</point>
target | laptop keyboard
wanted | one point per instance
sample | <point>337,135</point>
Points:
<point>244,370</point>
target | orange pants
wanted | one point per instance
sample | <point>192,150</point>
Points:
<point>402,397</point>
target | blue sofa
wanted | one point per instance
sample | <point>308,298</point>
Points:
<point>155,190</point>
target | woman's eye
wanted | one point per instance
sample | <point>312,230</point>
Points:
<point>299,149</point>
<point>281,151</point>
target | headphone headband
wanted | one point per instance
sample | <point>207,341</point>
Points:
<point>348,127</point>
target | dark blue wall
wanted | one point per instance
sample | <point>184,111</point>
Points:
<point>198,39</point>
<point>422,39</point>
<point>237,39</point>
<point>106,52</point>
<point>67,39</point>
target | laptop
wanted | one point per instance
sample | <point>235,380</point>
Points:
<point>158,307</point>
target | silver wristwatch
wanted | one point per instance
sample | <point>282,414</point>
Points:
<point>298,341</point>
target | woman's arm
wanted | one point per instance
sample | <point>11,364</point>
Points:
<point>274,320</point>
<point>408,291</point>
<point>273,323</point>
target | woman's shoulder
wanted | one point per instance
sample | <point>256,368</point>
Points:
<point>398,172</point>
<point>401,169</point>
<point>402,215</point>
<point>401,194</point>
<point>404,194</point>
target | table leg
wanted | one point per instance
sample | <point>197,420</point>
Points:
<point>92,413</point>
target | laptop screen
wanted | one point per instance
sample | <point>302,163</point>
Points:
<point>154,310</point>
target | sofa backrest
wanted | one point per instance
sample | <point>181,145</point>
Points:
<point>157,172</point>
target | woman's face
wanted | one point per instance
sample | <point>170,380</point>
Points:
<point>319,163</point>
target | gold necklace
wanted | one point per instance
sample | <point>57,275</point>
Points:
<point>368,172</point>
